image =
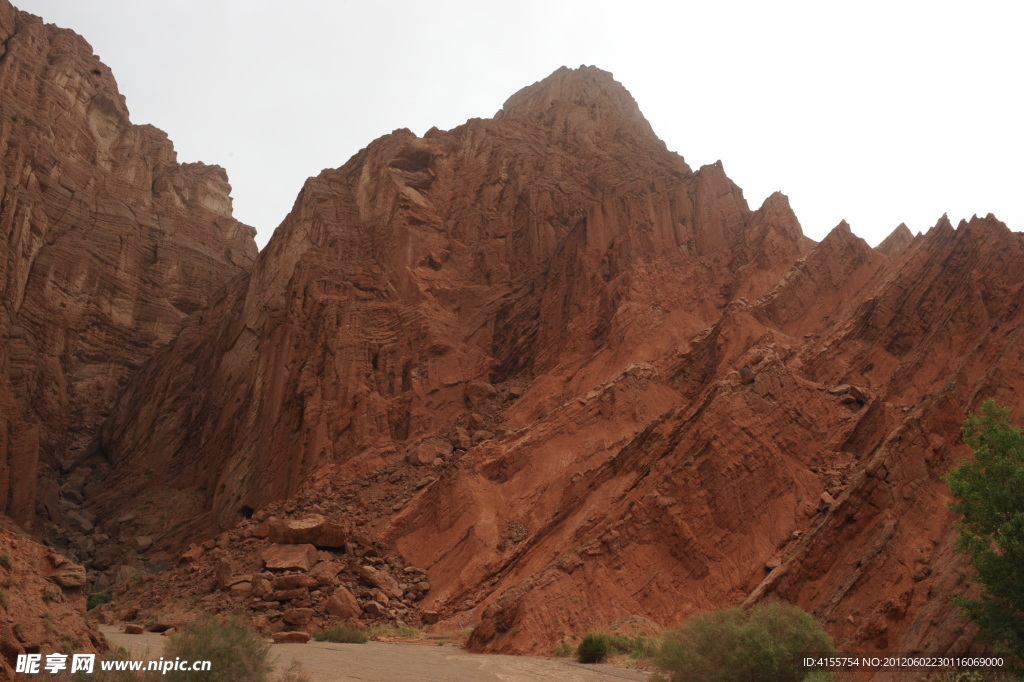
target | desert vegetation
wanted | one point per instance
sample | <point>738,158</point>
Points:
<point>988,492</point>
<point>760,644</point>
<point>344,634</point>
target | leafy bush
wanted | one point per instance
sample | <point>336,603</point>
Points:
<point>594,648</point>
<point>989,492</point>
<point>345,634</point>
<point>634,647</point>
<point>97,599</point>
<point>761,644</point>
<point>563,650</point>
<point>237,652</point>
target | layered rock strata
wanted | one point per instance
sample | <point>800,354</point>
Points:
<point>632,393</point>
<point>108,245</point>
<point>552,366</point>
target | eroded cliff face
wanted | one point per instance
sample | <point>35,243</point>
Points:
<point>537,357</point>
<point>510,251</point>
<point>108,245</point>
<point>575,380</point>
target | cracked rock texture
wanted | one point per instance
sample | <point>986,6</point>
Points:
<point>557,377</point>
<point>635,394</point>
<point>109,244</point>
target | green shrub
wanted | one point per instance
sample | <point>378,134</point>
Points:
<point>989,494</point>
<point>5,560</point>
<point>634,647</point>
<point>761,644</point>
<point>563,650</point>
<point>97,599</point>
<point>594,648</point>
<point>345,634</point>
<point>237,652</point>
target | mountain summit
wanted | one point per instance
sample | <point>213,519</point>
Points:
<point>533,373</point>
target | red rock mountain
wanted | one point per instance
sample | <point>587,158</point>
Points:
<point>636,395</point>
<point>108,245</point>
<point>537,360</point>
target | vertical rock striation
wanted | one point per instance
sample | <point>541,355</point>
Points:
<point>108,245</point>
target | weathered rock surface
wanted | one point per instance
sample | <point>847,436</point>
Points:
<point>622,380</point>
<point>107,244</point>
<point>650,362</point>
<point>42,609</point>
<point>289,557</point>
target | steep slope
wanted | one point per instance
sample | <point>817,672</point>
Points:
<point>541,358</point>
<point>815,479</point>
<point>506,251</point>
<point>108,245</point>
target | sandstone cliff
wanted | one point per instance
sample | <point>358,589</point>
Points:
<point>42,602</point>
<point>108,245</point>
<point>632,394</point>
<point>554,376</point>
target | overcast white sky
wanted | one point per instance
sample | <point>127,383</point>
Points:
<point>873,112</point>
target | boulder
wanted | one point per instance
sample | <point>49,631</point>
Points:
<point>290,637</point>
<point>297,616</point>
<point>281,557</point>
<point>241,588</point>
<point>343,604</point>
<point>477,392</point>
<point>69,576</point>
<point>288,595</point>
<point>313,529</point>
<point>378,578</point>
<point>429,450</point>
<point>171,620</point>
<point>223,572</point>
<point>291,582</point>
<point>261,587</point>
<point>326,571</point>
<point>296,531</point>
<point>193,553</point>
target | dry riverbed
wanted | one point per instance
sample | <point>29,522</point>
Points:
<point>387,661</point>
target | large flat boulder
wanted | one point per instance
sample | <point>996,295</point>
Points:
<point>289,557</point>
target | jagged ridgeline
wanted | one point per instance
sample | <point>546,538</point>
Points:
<point>535,372</point>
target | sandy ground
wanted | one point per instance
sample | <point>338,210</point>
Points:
<point>384,661</point>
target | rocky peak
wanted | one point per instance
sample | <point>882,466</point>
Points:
<point>897,241</point>
<point>587,95</point>
<point>778,218</point>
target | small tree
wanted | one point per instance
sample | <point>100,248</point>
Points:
<point>763,643</point>
<point>989,493</point>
